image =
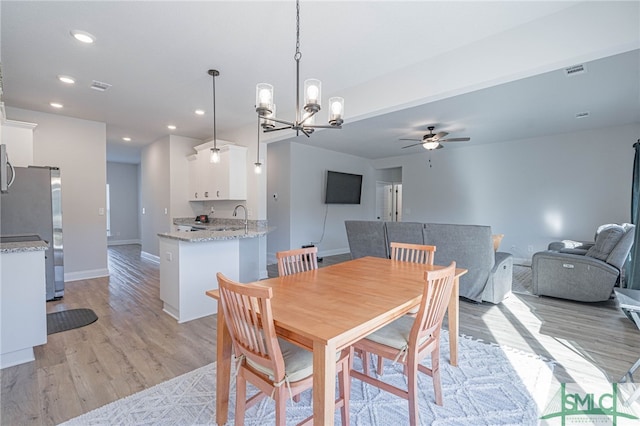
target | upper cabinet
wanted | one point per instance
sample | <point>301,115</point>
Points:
<point>226,180</point>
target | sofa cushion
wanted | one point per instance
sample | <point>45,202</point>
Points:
<point>366,238</point>
<point>606,240</point>
<point>470,246</point>
<point>404,232</point>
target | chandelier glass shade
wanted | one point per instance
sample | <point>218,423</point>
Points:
<point>312,97</point>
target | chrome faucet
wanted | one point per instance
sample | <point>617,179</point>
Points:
<point>246,220</point>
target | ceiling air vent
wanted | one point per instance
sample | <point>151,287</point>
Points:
<point>99,85</point>
<point>575,70</point>
<point>583,114</point>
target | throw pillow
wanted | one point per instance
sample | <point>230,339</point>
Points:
<point>606,240</point>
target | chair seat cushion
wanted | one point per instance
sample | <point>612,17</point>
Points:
<point>298,362</point>
<point>395,334</point>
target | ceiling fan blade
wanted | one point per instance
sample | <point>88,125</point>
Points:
<point>403,139</point>
<point>438,136</point>
<point>455,140</point>
<point>409,146</point>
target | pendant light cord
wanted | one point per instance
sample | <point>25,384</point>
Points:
<point>258,146</point>
<point>215,146</point>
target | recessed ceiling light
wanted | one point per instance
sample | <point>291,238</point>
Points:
<point>83,36</point>
<point>199,112</point>
<point>56,105</point>
<point>126,139</point>
<point>66,79</point>
<point>171,127</point>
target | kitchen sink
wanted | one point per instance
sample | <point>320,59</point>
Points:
<point>228,228</point>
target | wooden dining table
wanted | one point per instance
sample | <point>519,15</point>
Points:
<point>328,309</point>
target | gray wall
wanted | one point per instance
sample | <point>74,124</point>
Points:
<point>123,180</point>
<point>297,173</point>
<point>533,191</point>
<point>78,147</point>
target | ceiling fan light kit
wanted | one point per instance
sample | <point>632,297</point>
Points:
<point>433,141</point>
<point>312,91</point>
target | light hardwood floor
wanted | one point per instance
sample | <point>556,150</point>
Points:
<point>134,345</point>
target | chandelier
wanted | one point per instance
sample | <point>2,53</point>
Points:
<point>305,118</point>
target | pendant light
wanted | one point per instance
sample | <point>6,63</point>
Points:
<point>214,155</point>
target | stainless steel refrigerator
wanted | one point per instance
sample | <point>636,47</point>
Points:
<point>32,206</point>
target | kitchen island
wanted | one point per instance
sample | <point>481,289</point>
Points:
<point>23,312</point>
<point>189,261</point>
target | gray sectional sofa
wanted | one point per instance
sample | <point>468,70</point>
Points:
<point>489,273</point>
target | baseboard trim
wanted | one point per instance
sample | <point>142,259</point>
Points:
<point>123,242</point>
<point>150,257</point>
<point>86,275</point>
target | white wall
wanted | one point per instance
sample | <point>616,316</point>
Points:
<point>124,198</point>
<point>534,191</point>
<point>78,148</point>
<point>163,187</point>
<point>297,174</point>
<point>18,136</point>
<point>179,149</point>
<point>155,194</point>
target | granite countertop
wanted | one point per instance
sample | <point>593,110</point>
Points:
<point>23,246</point>
<point>205,236</point>
<point>216,230</point>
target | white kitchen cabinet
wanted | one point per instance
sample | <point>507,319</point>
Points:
<point>230,175</point>
<point>23,311</point>
<point>226,180</point>
<point>194,178</point>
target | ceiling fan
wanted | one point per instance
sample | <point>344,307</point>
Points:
<point>433,141</point>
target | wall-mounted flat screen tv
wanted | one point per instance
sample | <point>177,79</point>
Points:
<point>343,188</point>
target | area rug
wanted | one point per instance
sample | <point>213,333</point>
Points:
<point>522,279</point>
<point>69,319</point>
<point>492,385</point>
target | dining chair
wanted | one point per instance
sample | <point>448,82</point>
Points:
<point>416,253</point>
<point>297,260</point>
<point>276,367</point>
<point>405,252</point>
<point>408,340</point>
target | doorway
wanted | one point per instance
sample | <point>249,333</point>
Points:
<point>389,194</point>
<point>389,201</point>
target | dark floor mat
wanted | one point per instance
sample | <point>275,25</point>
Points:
<point>70,319</point>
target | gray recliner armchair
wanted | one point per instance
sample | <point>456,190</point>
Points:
<point>583,271</point>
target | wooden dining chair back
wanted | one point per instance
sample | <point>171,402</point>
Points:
<point>276,367</point>
<point>405,252</point>
<point>416,253</point>
<point>297,260</point>
<point>409,340</point>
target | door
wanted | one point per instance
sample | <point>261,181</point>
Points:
<point>389,201</point>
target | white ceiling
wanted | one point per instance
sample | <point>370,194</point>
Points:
<point>401,66</point>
